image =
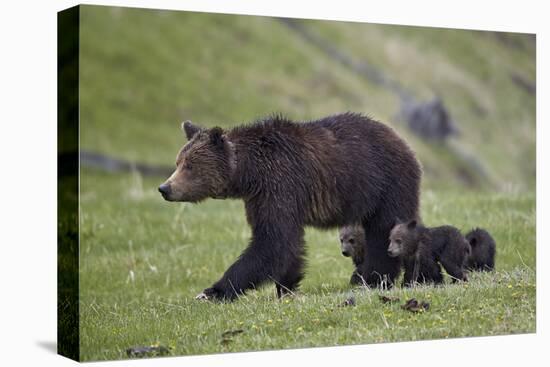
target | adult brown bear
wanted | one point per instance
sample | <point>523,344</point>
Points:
<point>339,170</point>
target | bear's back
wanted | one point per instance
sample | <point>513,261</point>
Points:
<point>446,238</point>
<point>335,169</point>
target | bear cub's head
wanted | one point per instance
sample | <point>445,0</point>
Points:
<point>351,241</point>
<point>404,238</point>
<point>203,166</point>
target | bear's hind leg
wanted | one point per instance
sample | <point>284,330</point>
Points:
<point>378,269</point>
<point>287,283</point>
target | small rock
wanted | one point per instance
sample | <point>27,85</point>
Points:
<point>348,302</point>
<point>231,333</point>
<point>413,305</point>
<point>147,351</point>
<point>386,299</point>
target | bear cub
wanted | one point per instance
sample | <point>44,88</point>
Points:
<point>352,244</point>
<point>482,255</point>
<point>423,249</point>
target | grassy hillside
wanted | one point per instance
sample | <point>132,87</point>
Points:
<point>144,71</point>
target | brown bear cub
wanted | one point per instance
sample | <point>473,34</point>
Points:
<point>327,173</point>
<point>352,244</point>
<point>423,249</point>
<point>482,256</point>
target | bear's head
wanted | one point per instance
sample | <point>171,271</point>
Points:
<point>475,249</point>
<point>351,240</point>
<point>404,238</point>
<point>203,166</point>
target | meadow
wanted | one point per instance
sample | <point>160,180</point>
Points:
<point>143,260</point>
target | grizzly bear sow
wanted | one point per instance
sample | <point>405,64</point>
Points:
<point>332,172</point>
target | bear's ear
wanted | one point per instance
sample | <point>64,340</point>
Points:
<point>412,224</point>
<point>189,129</point>
<point>216,136</point>
<point>473,242</point>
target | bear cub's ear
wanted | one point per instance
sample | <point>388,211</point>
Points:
<point>189,129</point>
<point>473,242</point>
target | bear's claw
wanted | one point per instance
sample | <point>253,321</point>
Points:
<point>208,294</point>
<point>202,296</point>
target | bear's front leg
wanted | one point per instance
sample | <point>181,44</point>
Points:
<point>249,271</point>
<point>269,257</point>
<point>210,294</point>
<point>409,275</point>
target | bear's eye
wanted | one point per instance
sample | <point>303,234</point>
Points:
<point>352,241</point>
<point>187,166</point>
<point>398,241</point>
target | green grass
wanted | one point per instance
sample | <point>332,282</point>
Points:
<point>142,261</point>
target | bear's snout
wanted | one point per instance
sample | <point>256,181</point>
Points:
<point>164,189</point>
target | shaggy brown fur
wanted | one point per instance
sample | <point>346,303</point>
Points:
<point>483,246</point>
<point>327,173</point>
<point>422,249</point>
